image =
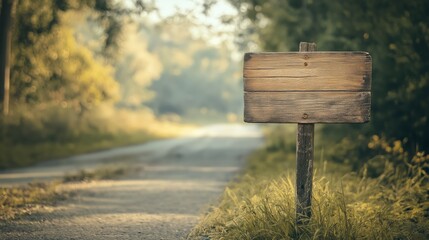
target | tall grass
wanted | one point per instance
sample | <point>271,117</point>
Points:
<point>345,205</point>
<point>29,135</point>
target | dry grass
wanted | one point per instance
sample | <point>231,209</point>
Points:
<point>23,200</point>
<point>261,204</point>
<point>26,199</point>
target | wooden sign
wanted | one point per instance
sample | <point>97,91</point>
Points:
<point>307,87</point>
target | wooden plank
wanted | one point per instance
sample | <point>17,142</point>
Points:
<point>280,60</point>
<point>307,107</point>
<point>307,83</point>
<point>301,71</point>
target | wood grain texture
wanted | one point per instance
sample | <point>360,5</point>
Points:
<point>307,71</point>
<point>307,107</point>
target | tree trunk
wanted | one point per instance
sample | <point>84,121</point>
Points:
<point>6,13</point>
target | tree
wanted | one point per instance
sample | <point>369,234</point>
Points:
<point>38,32</point>
<point>6,18</point>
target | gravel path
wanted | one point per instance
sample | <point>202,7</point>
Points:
<point>179,179</point>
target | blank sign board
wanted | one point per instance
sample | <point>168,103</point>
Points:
<point>307,87</point>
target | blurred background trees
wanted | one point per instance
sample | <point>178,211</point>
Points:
<point>67,53</point>
<point>88,74</point>
<point>199,78</point>
<point>48,65</point>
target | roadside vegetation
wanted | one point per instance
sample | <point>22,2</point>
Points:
<point>346,204</point>
<point>91,75</point>
<point>29,137</point>
<point>16,201</point>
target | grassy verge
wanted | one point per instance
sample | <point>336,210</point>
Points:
<point>26,199</point>
<point>31,136</point>
<point>17,201</point>
<point>261,204</point>
<point>25,154</point>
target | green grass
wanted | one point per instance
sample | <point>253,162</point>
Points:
<point>26,154</point>
<point>346,205</point>
<point>24,200</point>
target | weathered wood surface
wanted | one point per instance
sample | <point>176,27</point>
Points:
<point>307,107</point>
<point>298,71</point>
<point>304,171</point>
<point>327,87</point>
<point>304,161</point>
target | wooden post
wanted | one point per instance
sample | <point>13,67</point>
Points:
<point>304,159</point>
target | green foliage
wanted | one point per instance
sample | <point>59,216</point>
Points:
<point>108,13</point>
<point>277,140</point>
<point>48,64</point>
<point>396,35</point>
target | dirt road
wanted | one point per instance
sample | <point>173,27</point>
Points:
<point>179,179</point>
